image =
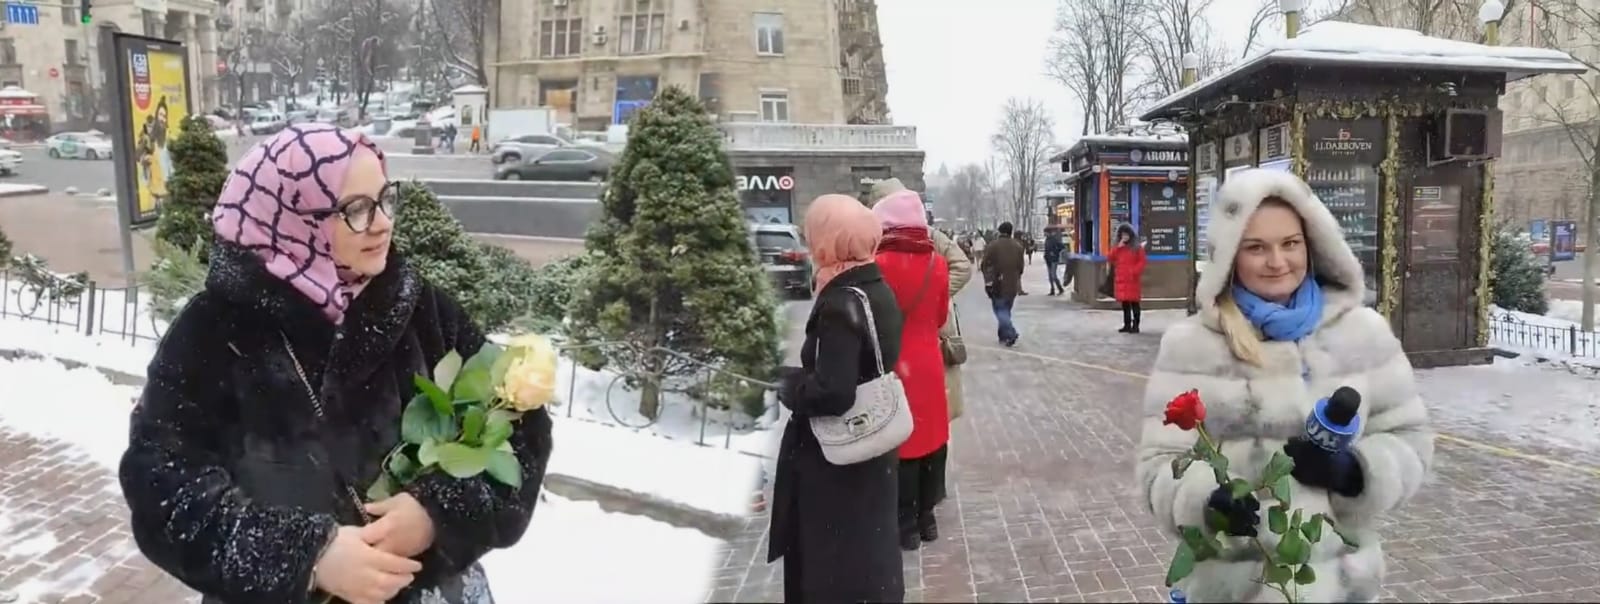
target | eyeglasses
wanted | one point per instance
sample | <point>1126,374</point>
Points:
<point>360,211</point>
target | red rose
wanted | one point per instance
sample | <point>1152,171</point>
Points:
<point>1186,410</point>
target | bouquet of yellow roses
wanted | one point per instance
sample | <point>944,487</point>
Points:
<point>460,420</point>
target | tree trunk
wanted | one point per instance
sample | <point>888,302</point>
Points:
<point>650,399</point>
<point>650,394</point>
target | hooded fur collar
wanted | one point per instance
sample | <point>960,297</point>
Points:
<point>1337,269</point>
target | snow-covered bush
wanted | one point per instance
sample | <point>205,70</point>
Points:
<point>1516,277</point>
<point>177,276</point>
<point>5,249</point>
<point>670,264</point>
<point>549,292</point>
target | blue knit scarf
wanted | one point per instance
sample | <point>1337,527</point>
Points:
<point>1283,322</point>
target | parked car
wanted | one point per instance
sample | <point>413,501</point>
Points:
<point>784,256</point>
<point>568,164</point>
<point>267,123</point>
<point>527,146</point>
<point>10,162</point>
<point>78,145</point>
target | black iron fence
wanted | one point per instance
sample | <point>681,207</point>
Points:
<point>77,303</point>
<point>1507,329</point>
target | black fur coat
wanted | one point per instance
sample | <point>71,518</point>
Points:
<point>225,474</point>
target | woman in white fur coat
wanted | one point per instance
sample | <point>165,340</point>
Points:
<point>1281,329</point>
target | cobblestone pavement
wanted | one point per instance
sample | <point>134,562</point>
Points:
<point>1043,507</point>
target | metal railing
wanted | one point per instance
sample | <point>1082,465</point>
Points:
<point>1505,328</point>
<point>703,374</point>
<point>816,137</point>
<point>85,306</point>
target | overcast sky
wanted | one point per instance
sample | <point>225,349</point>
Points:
<point>953,63</point>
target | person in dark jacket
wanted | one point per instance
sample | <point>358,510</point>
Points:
<point>1003,263</point>
<point>275,396</point>
<point>835,526</point>
<point>1054,246</point>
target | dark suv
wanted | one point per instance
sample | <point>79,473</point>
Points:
<point>784,256</point>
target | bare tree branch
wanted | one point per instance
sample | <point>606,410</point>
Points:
<point>1023,142</point>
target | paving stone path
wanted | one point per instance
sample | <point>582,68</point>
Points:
<point>1043,505</point>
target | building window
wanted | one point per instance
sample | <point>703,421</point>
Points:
<point>643,24</point>
<point>852,86</point>
<point>560,38</point>
<point>769,33</point>
<point>69,15</point>
<point>774,106</point>
<point>8,51</point>
<point>72,52</point>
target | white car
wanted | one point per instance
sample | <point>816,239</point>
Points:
<point>10,162</point>
<point>82,145</point>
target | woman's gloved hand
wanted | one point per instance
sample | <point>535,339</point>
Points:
<point>1317,467</point>
<point>1243,514</point>
<point>789,384</point>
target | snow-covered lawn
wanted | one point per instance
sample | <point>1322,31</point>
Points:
<point>1555,337</point>
<point>1523,400</point>
<point>573,552</point>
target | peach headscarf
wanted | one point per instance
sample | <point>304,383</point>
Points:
<point>842,234</point>
<point>900,209</point>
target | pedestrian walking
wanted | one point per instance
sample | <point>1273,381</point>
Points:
<point>920,278</point>
<point>275,397</point>
<point>951,346</point>
<point>1054,246</point>
<point>1002,266</point>
<point>1029,247</point>
<point>477,139</point>
<point>834,526</point>
<point>1127,266</point>
<point>450,133</point>
<point>979,242</point>
<point>1282,306</point>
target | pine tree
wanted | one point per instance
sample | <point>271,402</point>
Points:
<point>200,168</point>
<point>1516,277</point>
<point>670,263</point>
<point>5,250</point>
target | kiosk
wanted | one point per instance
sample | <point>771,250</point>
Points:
<point>1396,132</point>
<point>1136,175</point>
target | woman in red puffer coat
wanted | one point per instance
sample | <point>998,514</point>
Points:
<point>920,279</point>
<point>1127,263</point>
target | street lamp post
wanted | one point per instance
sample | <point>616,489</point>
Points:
<point>1490,14</point>
<point>1191,68</point>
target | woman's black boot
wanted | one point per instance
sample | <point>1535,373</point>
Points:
<point>929,528</point>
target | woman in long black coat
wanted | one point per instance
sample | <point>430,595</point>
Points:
<point>835,526</point>
<point>275,396</point>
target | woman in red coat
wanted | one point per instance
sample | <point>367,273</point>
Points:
<point>1127,263</point>
<point>920,279</point>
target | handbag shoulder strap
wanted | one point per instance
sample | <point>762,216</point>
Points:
<point>872,329</point>
<point>316,407</point>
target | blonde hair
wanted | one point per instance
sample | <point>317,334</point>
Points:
<point>1244,340</point>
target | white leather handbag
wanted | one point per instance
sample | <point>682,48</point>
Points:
<point>880,419</point>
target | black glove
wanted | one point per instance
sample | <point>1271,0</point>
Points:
<point>1243,514</point>
<point>1316,467</point>
<point>789,385</point>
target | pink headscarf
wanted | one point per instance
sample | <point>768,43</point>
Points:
<point>901,209</point>
<point>842,234</point>
<point>268,203</point>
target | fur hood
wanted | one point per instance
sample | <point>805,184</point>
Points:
<point>1336,267</point>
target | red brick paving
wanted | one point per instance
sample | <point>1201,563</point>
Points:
<point>1043,506</point>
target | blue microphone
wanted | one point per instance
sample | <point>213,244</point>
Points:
<point>1333,422</point>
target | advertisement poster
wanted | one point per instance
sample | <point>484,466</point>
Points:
<point>1563,240</point>
<point>154,76</point>
<point>1538,229</point>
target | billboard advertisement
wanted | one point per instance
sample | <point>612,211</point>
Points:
<point>152,85</point>
<point>1563,240</point>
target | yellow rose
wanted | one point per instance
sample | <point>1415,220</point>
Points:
<point>530,380</point>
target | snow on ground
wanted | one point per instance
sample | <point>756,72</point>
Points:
<point>573,552</point>
<point>16,189</point>
<point>576,552</point>
<point>1522,400</point>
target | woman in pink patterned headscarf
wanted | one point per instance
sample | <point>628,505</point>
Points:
<point>277,392</point>
<point>834,526</point>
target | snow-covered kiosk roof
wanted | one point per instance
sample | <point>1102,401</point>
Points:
<point>1338,44</point>
<point>1136,133</point>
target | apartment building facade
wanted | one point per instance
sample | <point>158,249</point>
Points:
<point>596,61</point>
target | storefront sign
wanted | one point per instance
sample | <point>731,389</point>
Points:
<point>153,79</point>
<point>1206,158</point>
<point>1357,141</point>
<point>766,189</point>
<point>1239,150</point>
<point>1165,219</point>
<point>1275,142</point>
<point>1159,157</point>
<point>1563,240</point>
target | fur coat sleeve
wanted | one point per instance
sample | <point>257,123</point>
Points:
<point>187,515</point>
<point>960,265</point>
<point>472,516</point>
<point>1395,447</point>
